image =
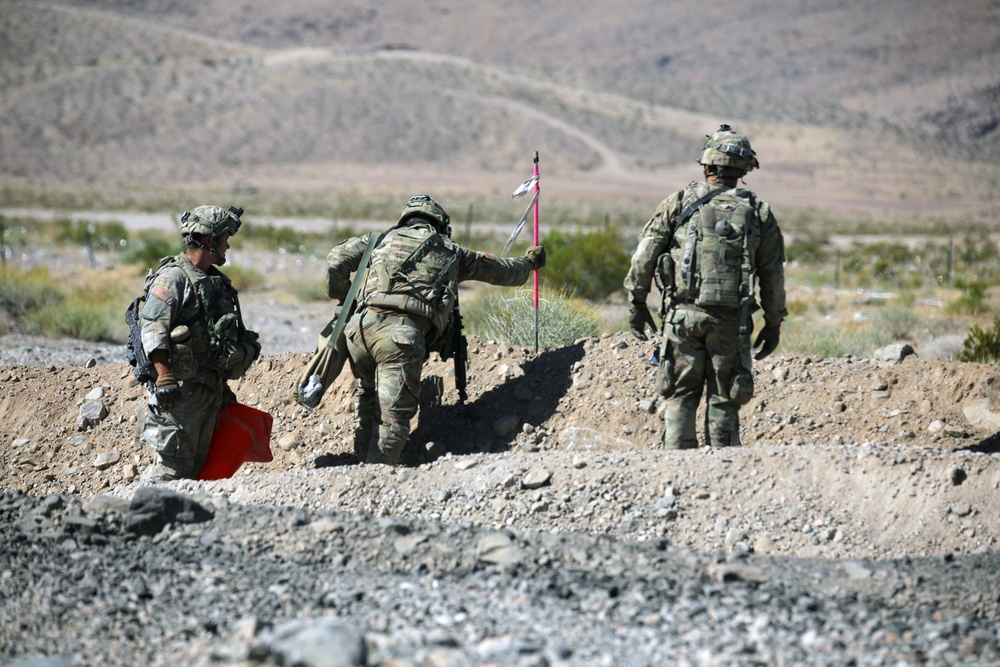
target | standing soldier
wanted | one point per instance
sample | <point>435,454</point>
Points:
<point>405,310</point>
<point>193,333</point>
<point>709,247</point>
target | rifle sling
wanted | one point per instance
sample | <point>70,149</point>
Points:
<point>352,293</point>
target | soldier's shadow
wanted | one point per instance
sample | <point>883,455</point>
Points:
<point>990,445</point>
<point>492,421</point>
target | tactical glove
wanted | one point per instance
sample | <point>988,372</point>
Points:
<point>251,342</point>
<point>767,341</point>
<point>168,392</point>
<point>639,318</point>
<point>536,254</point>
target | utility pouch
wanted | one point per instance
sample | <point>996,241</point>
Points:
<point>666,373</point>
<point>664,275</point>
<point>742,388</point>
<point>182,361</point>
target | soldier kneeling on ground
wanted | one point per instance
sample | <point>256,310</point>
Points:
<point>404,312</point>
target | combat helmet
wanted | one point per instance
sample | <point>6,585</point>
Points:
<point>728,148</point>
<point>212,220</point>
<point>422,206</point>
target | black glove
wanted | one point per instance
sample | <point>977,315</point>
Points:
<point>168,392</point>
<point>536,254</point>
<point>252,343</point>
<point>767,341</point>
<point>639,318</point>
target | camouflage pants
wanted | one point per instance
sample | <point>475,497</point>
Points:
<point>703,352</point>
<point>181,437</point>
<point>387,354</point>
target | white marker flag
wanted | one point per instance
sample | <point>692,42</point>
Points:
<point>524,188</point>
<point>517,229</point>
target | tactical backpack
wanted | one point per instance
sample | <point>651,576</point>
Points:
<point>711,263</point>
<point>135,354</point>
<point>414,271</point>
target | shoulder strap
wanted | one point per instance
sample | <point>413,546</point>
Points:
<point>359,277</point>
<point>690,209</point>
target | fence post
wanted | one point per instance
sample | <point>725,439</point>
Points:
<point>836,269</point>
<point>468,228</point>
<point>951,250</point>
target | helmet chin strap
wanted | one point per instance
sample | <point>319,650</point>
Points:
<point>211,250</point>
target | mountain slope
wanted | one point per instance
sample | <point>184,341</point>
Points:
<point>301,97</point>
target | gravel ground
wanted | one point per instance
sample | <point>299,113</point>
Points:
<point>556,545</point>
<point>173,577</point>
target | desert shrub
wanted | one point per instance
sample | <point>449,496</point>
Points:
<point>821,339</point>
<point>878,263</point>
<point>509,317</point>
<point>896,322</point>
<point>797,308</point>
<point>242,277</point>
<point>590,264</point>
<point>972,300</point>
<point>23,292</point>
<point>86,321</point>
<point>982,345</point>
<point>309,290</point>
<point>101,235</point>
<point>91,311</point>
<point>283,238</point>
<point>806,251</point>
<point>149,249</point>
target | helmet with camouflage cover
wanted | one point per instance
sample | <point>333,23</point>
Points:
<point>422,206</point>
<point>212,220</point>
<point>728,148</point>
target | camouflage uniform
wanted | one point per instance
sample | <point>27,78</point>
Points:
<point>404,312</point>
<point>194,315</point>
<point>707,267</point>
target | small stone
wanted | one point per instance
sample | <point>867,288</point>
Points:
<point>962,509</point>
<point>91,414</point>
<point>290,441</point>
<point>763,545</point>
<point>506,426</point>
<point>536,479</point>
<point>499,549</point>
<point>435,450</point>
<point>105,460</point>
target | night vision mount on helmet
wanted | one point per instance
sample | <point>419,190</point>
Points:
<point>729,148</point>
<point>422,206</point>
<point>211,220</point>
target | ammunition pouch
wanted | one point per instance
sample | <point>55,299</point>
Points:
<point>238,355</point>
<point>182,360</point>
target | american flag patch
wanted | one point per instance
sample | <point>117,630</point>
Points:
<point>160,293</point>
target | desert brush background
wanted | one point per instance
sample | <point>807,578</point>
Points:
<point>885,110</point>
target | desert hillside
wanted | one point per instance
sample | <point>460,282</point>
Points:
<point>890,109</point>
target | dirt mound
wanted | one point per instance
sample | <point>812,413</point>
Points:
<point>841,456</point>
